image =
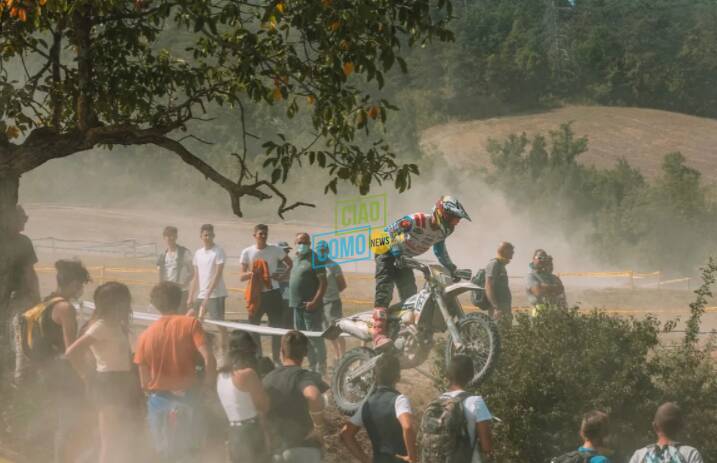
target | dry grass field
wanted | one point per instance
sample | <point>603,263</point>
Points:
<point>642,136</point>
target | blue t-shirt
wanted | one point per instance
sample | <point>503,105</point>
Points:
<point>596,458</point>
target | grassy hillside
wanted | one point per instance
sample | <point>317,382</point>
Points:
<point>642,136</point>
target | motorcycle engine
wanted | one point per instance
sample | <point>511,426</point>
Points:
<point>414,346</point>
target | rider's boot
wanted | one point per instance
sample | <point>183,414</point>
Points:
<point>381,341</point>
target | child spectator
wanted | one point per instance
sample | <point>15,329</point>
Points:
<point>295,418</point>
<point>594,430</point>
<point>457,426</point>
<point>388,418</point>
<point>668,425</point>
<point>114,387</point>
<point>175,263</point>
<point>57,319</point>
<point>166,354</point>
<point>244,400</point>
<point>207,291</point>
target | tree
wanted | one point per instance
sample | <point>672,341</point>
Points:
<point>93,73</point>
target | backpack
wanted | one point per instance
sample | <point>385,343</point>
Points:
<point>573,457</point>
<point>654,455</point>
<point>478,296</point>
<point>444,431</point>
<point>30,333</point>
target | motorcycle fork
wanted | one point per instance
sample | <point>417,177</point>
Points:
<point>452,328</point>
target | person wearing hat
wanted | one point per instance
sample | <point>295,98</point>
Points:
<point>283,270</point>
<point>543,287</point>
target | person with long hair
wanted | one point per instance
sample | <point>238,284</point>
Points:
<point>113,385</point>
<point>244,400</point>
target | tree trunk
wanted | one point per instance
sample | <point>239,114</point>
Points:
<point>9,184</point>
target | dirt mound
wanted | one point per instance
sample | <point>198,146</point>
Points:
<point>642,136</point>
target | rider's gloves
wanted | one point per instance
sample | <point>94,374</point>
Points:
<point>452,269</point>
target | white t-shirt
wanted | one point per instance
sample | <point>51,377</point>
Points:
<point>270,253</point>
<point>402,405</point>
<point>206,261</point>
<point>111,347</point>
<point>475,409</point>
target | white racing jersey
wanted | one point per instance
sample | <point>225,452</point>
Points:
<point>413,235</point>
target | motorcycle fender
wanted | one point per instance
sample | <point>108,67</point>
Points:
<point>459,288</point>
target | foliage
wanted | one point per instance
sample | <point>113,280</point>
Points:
<point>658,54</point>
<point>664,224</point>
<point>105,73</point>
<point>562,363</point>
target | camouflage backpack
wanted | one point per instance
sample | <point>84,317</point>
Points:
<point>444,431</point>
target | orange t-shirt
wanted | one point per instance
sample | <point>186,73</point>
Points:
<point>169,349</point>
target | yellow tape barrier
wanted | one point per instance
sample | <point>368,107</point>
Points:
<point>101,273</point>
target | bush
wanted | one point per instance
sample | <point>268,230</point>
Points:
<point>563,363</point>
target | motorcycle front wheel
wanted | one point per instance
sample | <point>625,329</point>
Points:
<point>481,343</point>
<point>350,394</point>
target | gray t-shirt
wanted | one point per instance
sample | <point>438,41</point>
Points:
<point>501,290</point>
<point>333,272</point>
<point>672,453</point>
<point>535,279</point>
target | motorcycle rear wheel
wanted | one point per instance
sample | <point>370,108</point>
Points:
<point>349,395</point>
<point>481,341</point>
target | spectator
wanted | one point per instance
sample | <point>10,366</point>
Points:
<point>58,322</point>
<point>335,284</point>
<point>114,387</point>
<point>388,418</point>
<point>668,425</point>
<point>207,290</point>
<point>270,301</point>
<point>24,285</point>
<point>543,287</point>
<point>295,418</point>
<point>307,286</point>
<point>166,353</point>
<point>594,430</point>
<point>244,400</point>
<point>284,273</point>
<point>497,289</point>
<point>476,443</point>
<point>175,263</point>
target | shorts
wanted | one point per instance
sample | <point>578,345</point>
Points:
<point>215,307</point>
<point>332,311</point>
<point>115,388</point>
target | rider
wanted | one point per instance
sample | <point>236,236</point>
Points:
<point>411,236</point>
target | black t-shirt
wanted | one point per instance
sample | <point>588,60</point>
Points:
<point>288,417</point>
<point>22,254</point>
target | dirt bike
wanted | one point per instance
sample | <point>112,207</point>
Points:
<point>413,325</point>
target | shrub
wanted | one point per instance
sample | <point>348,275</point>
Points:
<point>562,363</point>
